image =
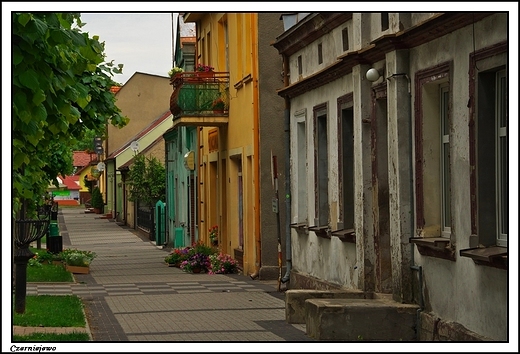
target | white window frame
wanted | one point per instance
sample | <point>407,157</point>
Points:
<point>445,177</point>
<point>500,169</point>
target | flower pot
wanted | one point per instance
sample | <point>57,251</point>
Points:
<point>196,270</point>
<point>77,269</point>
<point>206,74</point>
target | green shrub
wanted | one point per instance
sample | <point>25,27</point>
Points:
<point>97,199</point>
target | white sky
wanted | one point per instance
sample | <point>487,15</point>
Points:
<point>140,41</point>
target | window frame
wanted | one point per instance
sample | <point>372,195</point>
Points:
<point>430,245</point>
<point>481,248</point>
<point>445,177</point>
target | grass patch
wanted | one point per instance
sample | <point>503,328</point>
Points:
<point>48,273</point>
<point>51,311</point>
<point>44,272</point>
<point>53,337</point>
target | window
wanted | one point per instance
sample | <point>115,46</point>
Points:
<point>301,169</point>
<point>433,165</point>
<point>384,21</point>
<point>344,37</point>
<point>345,231</point>
<point>320,53</point>
<point>300,69</point>
<point>488,155</point>
<point>492,159</point>
<point>445,161</point>
<point>502,159</point>
<point>347,168</point>
<point>321,167</point>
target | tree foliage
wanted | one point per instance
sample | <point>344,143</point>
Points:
<point>147,180</point>
<point>61,92</point>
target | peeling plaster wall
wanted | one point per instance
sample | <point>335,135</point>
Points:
<point>474,292</point>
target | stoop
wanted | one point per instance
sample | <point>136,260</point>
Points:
<point>377,319</point>
<point>295,300</point>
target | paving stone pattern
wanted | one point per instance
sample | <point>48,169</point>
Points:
<point>130,295</point>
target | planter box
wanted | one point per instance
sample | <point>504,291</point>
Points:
<point>77,270</point>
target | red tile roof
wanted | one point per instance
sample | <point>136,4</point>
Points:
<point>82,158</point>
<point>115,89</point>
<point>71,182</point>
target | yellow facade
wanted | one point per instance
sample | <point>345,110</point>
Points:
<point>228,196</point>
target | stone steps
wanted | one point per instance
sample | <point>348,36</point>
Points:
<point>339,315</point>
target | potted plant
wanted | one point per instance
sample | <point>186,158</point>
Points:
<point>177,256</point>
<point>218,105</point>
<point>174,71</point>
<point>204,71</point>
<point>204,68</point>
<point>222,264</point>
<point>213,235</point>
<point>198,259</point>
<point>97,200</point>
<point>77,261</point>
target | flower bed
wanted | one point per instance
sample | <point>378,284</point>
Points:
<point>77,261</point>
<point>200,258</point>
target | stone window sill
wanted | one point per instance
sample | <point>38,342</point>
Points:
<point>301,228</point>
<point>492,256</point>
<point>320,231</point>
<point>438,247</point>
<point>345,235</point>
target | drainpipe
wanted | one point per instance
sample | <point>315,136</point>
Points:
<point>413,267</point>
<point>287,185</point>
<point>256,143</point>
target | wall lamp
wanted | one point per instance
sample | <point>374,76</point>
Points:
<point>373,75</point>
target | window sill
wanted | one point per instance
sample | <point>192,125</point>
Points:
<point>320,231</point>
<point>301,228</point>
<point>348,235</point>
<point>493,256</point>
<point>438,247</point>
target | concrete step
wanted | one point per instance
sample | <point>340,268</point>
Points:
<point>295,300</point>
<point>377,319</point>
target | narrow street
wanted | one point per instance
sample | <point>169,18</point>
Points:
<point>131,295</point>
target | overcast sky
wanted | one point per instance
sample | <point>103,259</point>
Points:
<point>140,41</point>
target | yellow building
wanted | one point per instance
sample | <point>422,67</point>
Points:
<point>236,146</point>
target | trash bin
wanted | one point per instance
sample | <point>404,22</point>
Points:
<point>54,230</point>
<point>55,244</point>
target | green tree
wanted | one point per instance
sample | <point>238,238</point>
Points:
<point>147,180</point>
<point>61,93</point>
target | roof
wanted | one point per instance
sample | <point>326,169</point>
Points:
<point>115,89</point>
<point>82,158</point>
<point>130,162</point>
<point>143,132</point>
<point>71,182</point>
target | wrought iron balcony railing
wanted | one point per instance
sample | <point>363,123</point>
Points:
<point>200,94</point>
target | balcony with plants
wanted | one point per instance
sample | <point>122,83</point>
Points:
<point>200,97</point>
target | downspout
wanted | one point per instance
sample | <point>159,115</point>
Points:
<point>256,146</point>
<point>413,267</point>
<point>287,185</point>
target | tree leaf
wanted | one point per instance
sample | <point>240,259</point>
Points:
<point>28,79</point>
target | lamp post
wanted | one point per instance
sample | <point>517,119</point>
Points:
<point>26,231</point>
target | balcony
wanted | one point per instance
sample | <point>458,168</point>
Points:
<point>200,99</point>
